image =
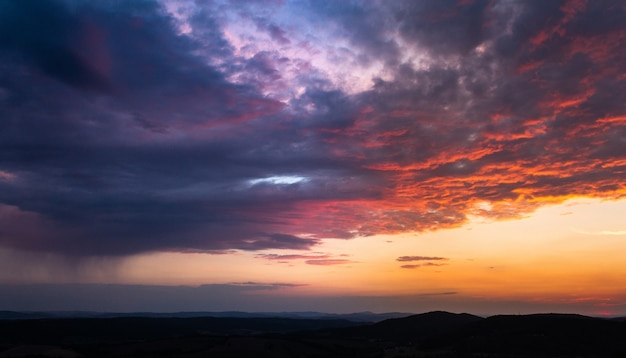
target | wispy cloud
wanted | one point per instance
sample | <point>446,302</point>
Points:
<point>410,266</point>
<point>447,293</point>
<point>315,259</point>
<point>601,233</point>
<point>329,262</point>
<point>262,285</point>
<point>291,257</point>
<point>420,258</point>
<point>427,264</point>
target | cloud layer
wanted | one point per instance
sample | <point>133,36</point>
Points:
<point>174,126</point>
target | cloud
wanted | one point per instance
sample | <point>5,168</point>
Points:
<point>142,298</point>
<point>319,259</point>
<point>443,27</point>
<point>427,262</point>
<point>328,262</point>
<point>49,36</point>
<point>438,293</point>
<point>278,241</point>
<point>291,257</point>
<point>123,134</point>
<point>602,232</point>
<point>264,286</point>
<point>420,258</point>
<point>421,265</point>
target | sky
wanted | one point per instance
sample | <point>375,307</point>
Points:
<point>335,156</point>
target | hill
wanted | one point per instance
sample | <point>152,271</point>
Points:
<point>540,334</point>
<point>412,329</point>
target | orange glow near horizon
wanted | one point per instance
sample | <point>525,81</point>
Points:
<point>559,253</point>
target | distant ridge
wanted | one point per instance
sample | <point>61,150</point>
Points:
<point>23,315</point>
<point>366,316</point>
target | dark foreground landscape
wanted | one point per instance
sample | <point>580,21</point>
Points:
<point>434,334</point>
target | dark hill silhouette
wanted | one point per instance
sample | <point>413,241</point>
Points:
<point>415,328</point>
<point>539,334</point>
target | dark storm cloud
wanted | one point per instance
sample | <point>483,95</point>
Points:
<point>87,175</point>
<point>450,27</point>
<point>120,134</point>
<point>48,35</point>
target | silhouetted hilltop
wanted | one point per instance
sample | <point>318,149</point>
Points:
<point>536,335</point>
<point>415,328</point>
<point>539,334</point>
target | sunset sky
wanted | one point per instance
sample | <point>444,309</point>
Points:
<point>335,156</point>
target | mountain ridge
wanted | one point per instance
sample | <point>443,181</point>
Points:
<point>364,316</point>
